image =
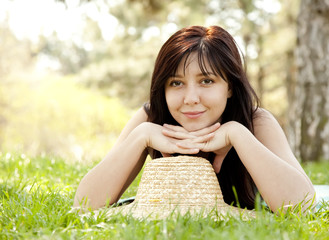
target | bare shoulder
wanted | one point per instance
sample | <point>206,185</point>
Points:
<point>139,117</point>
<point>264,122</point>
<point>263,116</point>
<point>269,132</point>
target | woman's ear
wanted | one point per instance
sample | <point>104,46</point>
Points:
<point>229,93</point>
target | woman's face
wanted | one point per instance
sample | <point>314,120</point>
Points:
<point>194,100</point>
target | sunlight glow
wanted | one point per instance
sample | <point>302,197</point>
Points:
<point>30,19</point>
<point>34,18</point>
<point>272,6</point>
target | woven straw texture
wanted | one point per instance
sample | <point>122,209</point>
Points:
<point>179,185</point>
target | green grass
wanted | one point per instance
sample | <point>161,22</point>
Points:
<point>318,172</point>
<point>36,196</point>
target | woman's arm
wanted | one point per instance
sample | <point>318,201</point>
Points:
<point>266,155</point>
<point>271,163</point>
<point>268,158</point>
<point>108,180</point>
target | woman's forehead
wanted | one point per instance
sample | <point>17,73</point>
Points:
<point>194,58</point>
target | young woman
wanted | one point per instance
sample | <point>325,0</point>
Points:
<point>201,103</point>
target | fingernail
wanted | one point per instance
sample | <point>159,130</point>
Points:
<point>165,130</point>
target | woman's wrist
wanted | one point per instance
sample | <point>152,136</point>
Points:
<point>141,135</point>
<point>234,131</point>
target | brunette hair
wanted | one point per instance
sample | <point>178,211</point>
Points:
<point>216,47</point>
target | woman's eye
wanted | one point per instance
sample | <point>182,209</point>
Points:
<point>207,81</point>
<point>175,83</point>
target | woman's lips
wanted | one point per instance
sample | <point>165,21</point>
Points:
<point>193,115</point>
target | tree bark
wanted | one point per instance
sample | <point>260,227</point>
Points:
<point>311,106</point>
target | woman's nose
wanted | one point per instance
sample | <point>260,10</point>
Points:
<point>191,95</point>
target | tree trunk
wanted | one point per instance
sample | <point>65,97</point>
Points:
<point>311,107</point>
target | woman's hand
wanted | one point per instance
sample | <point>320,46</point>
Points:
<point>211,139</point>
<point>181,133</point>
<point>167,145</point>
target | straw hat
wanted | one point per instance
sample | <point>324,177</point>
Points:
<point>179,185</point>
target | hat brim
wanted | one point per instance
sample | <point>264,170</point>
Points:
<point>182,185</point>
<point>162,211</point>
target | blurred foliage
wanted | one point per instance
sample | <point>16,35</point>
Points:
<point>14,54</point>
<point>55,116</point>
<point>78,108</point>
<point>123,68</point>
<point>71,60</point>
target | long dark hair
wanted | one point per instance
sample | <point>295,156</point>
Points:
<point>218,48</point>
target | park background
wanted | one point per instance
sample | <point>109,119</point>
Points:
<point>73,72</point>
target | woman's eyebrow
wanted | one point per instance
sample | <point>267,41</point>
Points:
<point>198,75</point>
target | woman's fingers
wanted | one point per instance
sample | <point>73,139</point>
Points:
<point>180,133</point>
<point>206,130</point>
<point>210,139</point>
<point>190,145</point>
<point>175,128</point>
<point>187,142</point>
<point>185,150</point>
<point>165,141</point>
<point>177,135</point>
<point>192,142</point>
<point>204,138</point>
<point>188,150</point>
